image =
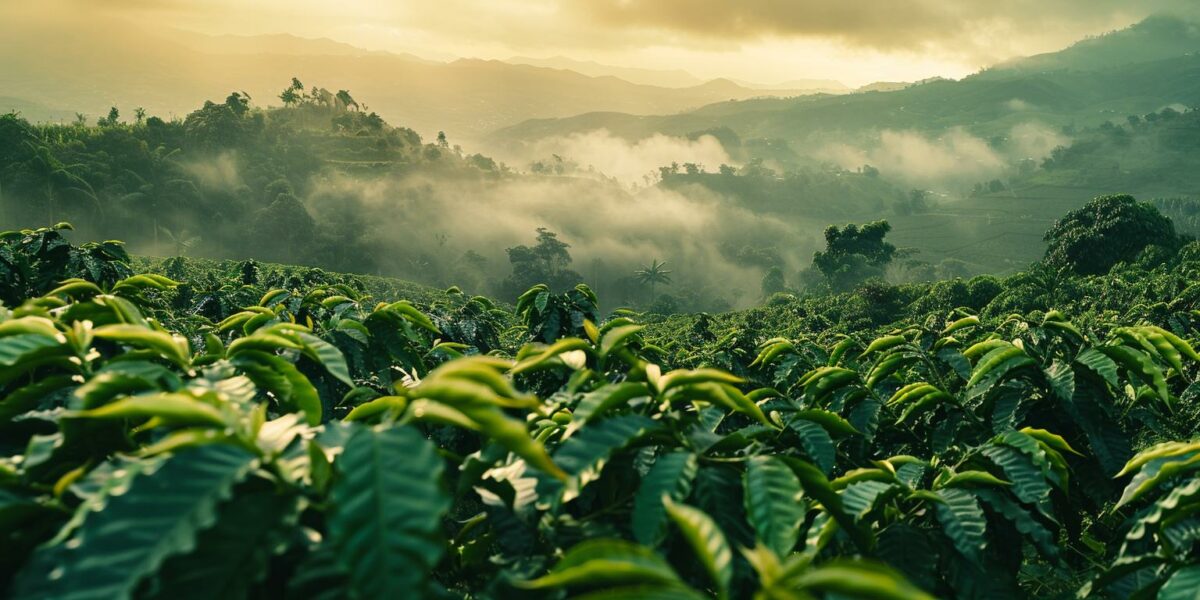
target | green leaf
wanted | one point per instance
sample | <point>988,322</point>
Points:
<point>858,579</point>
<point>721,394</point>
<point>277,375</point>
<point>1028,525</point>
<point>584,455</point>
<point>973,479</point>
<point>32,396</point>
<point>1163,507</point>
<point>994,366</point>
<point>171,347</point>
<point>327,355</point>
<point>644,592</point>
<point>707,542</point>
<point>774,505</point>
<point>232,556</point>
<point>388,505</point>
<point>159,516</point>
<point>617,337</point>
<point>817,486</point>
<point>860,498</point>
<point>1061,378</point>
<point>1140,365</point>
<point>594,404</point>
<point>15,349</point>
<point>831,421</point>
<point>963,522</point>
<point>513,435</point>
<point>672,475</point>
<point>1099,364</point>
<point>1184,584</point>
<point>1028,480</point>
<point>606,562</point>
<point>1157,471</point>
<point>176,408</point>
<point>816,442</point>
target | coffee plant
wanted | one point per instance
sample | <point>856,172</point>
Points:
<point>310,441</point>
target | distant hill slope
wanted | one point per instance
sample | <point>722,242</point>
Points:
<point>1154,38</point>
<point>657,77</point>
<point>985,104</point>
<point>63,66</point>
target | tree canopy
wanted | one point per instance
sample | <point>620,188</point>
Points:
<point>1108,230</point>
<point>854,254</point>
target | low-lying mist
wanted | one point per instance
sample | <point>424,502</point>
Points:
<point>441,231</point>
<point>631,163</point>
<point>953,160</point>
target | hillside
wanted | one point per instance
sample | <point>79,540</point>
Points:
<point>1155,38</point>
<point>986,104</point>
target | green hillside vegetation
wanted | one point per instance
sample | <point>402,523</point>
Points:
<point>202,183</point>
<point>993,437</point>
<point>1155,38</point>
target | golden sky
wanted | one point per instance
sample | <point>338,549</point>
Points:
<point>766,41</point>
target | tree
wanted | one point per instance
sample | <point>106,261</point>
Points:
<point>238,102</point>
<point>221,125</point>
<point>139,115</point>
<point>652,275</point>
<point>345,100</point>
<point>114,117</point>
<point>546,262</point>
<point>294,94</point>
<point>773,282</point>
<point>164,184</point>
<point>183,240</point>
<point>854,254</point>
<point>57,179</point>
<point>283,228</point>
<point>1107,230</point>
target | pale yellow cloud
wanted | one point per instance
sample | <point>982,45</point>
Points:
<point>857,40</point>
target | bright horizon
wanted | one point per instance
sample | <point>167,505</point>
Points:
<point>760,41</point>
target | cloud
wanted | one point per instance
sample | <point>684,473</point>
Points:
<point>629,161</point>
<point>979,29</point>
<point>956,158</point>
<point>611,231</point>
<point>971,27</point>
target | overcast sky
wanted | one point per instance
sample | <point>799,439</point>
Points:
<point>767,41</point>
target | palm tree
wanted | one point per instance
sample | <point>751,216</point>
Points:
<point>182,241</point>
<point>653,274</point>
<point>164,186</point>
<point>57,178</point>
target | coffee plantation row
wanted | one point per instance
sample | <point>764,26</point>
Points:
<point>300,438</point>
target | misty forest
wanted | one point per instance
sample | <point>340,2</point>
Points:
<point>397,305</point>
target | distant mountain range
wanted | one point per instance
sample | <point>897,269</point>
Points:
<point>50,70</point>
<point>677,78</point>
<point>1143,68</point>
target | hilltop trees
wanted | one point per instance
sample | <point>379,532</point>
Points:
<point>854,254</point>
<point>294,93</point>
<point>1108,230</point>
